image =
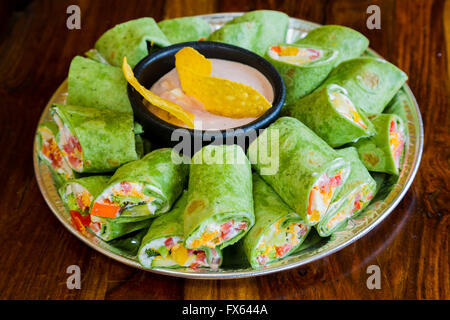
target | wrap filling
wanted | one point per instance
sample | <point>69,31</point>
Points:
<point>212,233</point>
<point>321,195</point>
<point>170,252</point>
<point>279,240</point>
<point>346,108</point>
<point>396,141</point>
<point>127,198</point>
<point>295,55</point>
<point>70,145</point>
<point>50,150</point>
<point>350,205</point>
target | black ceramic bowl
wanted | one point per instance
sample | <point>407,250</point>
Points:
<point>154,66</point>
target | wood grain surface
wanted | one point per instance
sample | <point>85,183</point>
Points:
<point>411,246</point>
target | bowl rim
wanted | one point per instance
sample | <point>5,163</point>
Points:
<point>269,72</point>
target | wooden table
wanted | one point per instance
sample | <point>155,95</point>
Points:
<point>411,246</point>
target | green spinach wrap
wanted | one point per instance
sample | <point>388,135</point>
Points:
<point>355,195</point>
<point>348,42</point>
<point>50,153</point>
<point>163,245</point>
<point>185,29</point>
<point>94,140</point>
<point>109,229</point>
<point>331,114</point>
<point>302,67</point>
<point>243,34</point>
<point>130,39</point>
<point>383,152</point>
<point>219,207</point>
<point>307,173</point>
<point>97,85</point>
<point>370,82</point>
<point>272,28</point>
<point>142,189</point>
<point>278,230</point>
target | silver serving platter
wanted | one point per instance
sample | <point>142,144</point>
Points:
<point>392,192</point>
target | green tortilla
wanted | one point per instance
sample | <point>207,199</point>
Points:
<point>301,80</point>
<point>163,176</point>
<point>292,160</point>
<point>97,85</point>
<point>220,190</point>
<point>185,29</point>
<point>109,229</point>
<point>243,34</point>
<point>375,152</point>
<point>106,137</point>
<point>370,82</point>
<point>320,114</point>
<point>163,228</point>
<point>354,196</point>
<point>348,42</point>
<point>270,210</point>
<point>130,39</point>
<point>273,26</point>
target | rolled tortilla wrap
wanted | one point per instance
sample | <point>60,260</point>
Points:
<point>50,153</point>
<point>370,82</point>
<point>142,189</point>
<point>309,174</point>
<point>219,207</point>
<point>130,39</point>
<point>95,140</point>
<point>302,67</point>
<point>78,195</point>
<point>163,245</point>
<point>272,30</point>
<point>185,29</point>
<point>97,85</point>
<point>243,34</point>
<point>350,43</point>
<point>109,229</point>
<point>384,151</point>
<point>355,195</point>
<point>278,230</point>
<point>331,114</point>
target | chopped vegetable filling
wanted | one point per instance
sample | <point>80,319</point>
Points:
<point>121,196</point>
<point>295,55</point>
<point>278,241</point>
<point>345,107</point>
<point>396,142</point>
<point>321,194</point>
<point>53,154</point>
<point>214,234</point>
<point>167,252</point>
<point>354,203</point>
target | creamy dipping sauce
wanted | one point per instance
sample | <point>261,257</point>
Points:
<point>169,87</point>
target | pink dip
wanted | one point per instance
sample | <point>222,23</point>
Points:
<point>169,88</point>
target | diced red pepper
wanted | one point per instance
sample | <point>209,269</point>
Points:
<point>194,265</point>
<point>201,257</point>
<point>281,251</point>
<point>392,126</point>
<point>315,53</point>
<point>169,242</point>
<point>126,186</point>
